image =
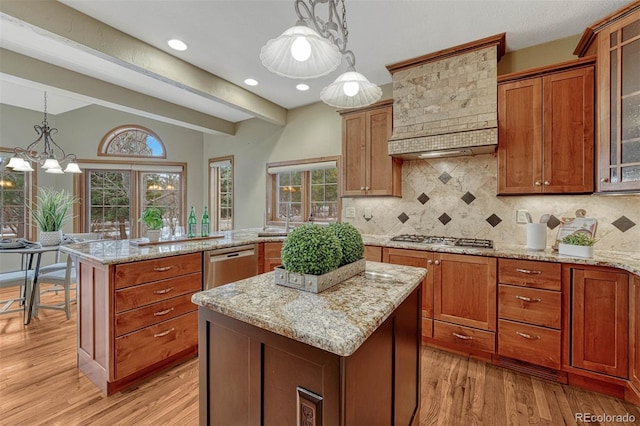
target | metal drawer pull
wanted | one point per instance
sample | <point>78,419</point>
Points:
<point>527,336</point>
<point>528,271</point>
<point>165,291</point>
<point>463,337</point>
<point>161,313</point>
<point>163,269</point>
<point>164,333</point>
<point>528,299</point>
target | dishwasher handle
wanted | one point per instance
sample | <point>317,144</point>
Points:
<point>229,256</point>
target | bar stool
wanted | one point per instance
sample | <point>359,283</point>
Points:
<point>62,280</point>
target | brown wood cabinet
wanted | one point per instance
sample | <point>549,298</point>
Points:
<point>271,256</point>
<point>421,259</point>
<point>367,168</point>
<point>136,318</point>
<point>597,317</point>
<point>545,130</point>
<point>616,40</point>
<point>634,332</point>
<point>373,253</point>
<point>529,308</point>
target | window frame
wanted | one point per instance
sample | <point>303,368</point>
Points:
<point>214,191</point>
<point>30,198</point>
<point>103,146</point>
<point>272,191</point>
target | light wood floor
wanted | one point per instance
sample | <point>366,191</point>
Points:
<point>40,385</point>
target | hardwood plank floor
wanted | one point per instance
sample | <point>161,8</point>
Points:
<point>40,385</point>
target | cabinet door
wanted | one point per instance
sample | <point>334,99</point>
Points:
<point>381,178</point>
<point>634,332</point>
<point>599,321</point>
<point>421,259</point>
<point>568,131</point>
<point>353,153</point>
<point>465,290</point>
<point>520,137</point>
<point>619,105</point>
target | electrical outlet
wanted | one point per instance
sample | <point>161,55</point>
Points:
<point>350,212</point>
<point>521,216</point>
<point>367,213</point>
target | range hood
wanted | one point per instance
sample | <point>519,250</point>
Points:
<point>445,103</point>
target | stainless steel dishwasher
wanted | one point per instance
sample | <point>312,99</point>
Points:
<point>223,266</point>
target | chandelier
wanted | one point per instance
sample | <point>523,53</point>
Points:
<point>50,158</point>
<point>315,47</point>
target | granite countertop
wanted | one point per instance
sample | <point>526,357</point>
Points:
<point>121,251</point>
<point>338,320</point>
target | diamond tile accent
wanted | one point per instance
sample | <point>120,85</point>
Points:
<point>553,222</point>
<point>444,218</point>
<point>444,177</point>
<point>403,217</point>
<point>623,223</point>
<point>423,198</point>
<point>494,220</point>
<point>468,198</point>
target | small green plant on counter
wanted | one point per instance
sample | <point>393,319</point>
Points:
<point>350,240</point>
<point>51,208</point>
<point>152,218</point>
<point>578,239</point>
<point>311,249</point>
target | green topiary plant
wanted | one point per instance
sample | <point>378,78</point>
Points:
<point>311,249</point>
<point>350,240</point>
<point>152,218</point>
<point>578,239</point>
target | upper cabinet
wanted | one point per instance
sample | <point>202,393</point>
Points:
<point>545,130</point>
<point>616,41</point>
<point>367,168</point>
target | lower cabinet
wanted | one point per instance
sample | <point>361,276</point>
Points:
<point>634,332</point>
<point>271,256</point>
<point>597,313</point>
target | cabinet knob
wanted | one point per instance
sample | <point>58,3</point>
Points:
<point>362,188</point>
<point>537,183</point>
<point>429,262</point>
<point>366,188</point>
<point>437,262</point>
<point>547,183</point>
<point>604,180</point>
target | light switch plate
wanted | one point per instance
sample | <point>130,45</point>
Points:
<point>367,213</point>
<point>521,216</point>
<point>350,212</point>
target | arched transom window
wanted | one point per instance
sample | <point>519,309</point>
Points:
<point>132,141</point>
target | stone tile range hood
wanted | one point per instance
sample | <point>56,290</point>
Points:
<point>445,103</point>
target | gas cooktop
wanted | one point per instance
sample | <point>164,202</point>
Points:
<point>444,241</point>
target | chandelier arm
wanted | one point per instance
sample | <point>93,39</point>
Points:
<point>307,13</point>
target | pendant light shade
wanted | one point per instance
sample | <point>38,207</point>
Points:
<point>350,90</point>
<point>300,52</point>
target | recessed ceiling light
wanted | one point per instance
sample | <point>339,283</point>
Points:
<point>251,82</point>
<point>302,87</point>
<point>176,44</point>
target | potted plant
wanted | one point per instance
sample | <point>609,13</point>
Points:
<point>50,213</point>
<point>152,219</point>
<point>577,244</point>
<point>313,255</point>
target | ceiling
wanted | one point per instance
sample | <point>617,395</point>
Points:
<point>225,37</point>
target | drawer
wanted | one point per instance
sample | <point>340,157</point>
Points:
<point>272,250</point>
<point>464,336</point>
<point>427,327</point>
<point>530,305</point>
<point>150,345</point>
<point>129,274</point>
<point>529,273</point>
<point>157,291</point>
<point>537,345</point>
<point>136,319</point>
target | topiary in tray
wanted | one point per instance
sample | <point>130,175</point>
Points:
<point>311,249</point>
<point>350,240</point>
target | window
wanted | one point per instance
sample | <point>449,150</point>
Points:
<point>306,189</point>
<point>132,141</point>
<point>16,189</point>
<point>221,189</point>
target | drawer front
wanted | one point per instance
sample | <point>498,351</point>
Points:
<point>129,274</point>
<point>136,319</point>
<point>272,250</point>
<point>150,345</point>
<point>157,291</point>
<point>537,345</point>
<point>530,305</point>
<point>545,275</point>
<point>427,327</point>
<point>464,336</point>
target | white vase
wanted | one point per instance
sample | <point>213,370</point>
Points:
<point>50,238</point>
<point>153,235</point>
<point>575,251</point>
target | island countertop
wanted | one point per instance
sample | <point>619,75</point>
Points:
<point>337,320</point>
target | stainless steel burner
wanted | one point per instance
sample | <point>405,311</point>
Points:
<point>448,241</point>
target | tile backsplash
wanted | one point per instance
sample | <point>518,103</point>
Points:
<point>457,197</point>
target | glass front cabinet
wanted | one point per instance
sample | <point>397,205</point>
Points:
<point>616,42</point>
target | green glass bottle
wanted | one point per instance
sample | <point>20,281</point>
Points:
<point>204,225</point>
<point>192,224</point>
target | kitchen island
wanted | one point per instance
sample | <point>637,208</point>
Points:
<point>275,355</point>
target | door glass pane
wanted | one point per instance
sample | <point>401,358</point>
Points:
<point>631,119</point>
<point>613,39</point>
<point>614,175</point>
<point>614,107</point>
<point>163,190</point>
<point>110,195</point>
<point>631,30</point>
<point>630,66</point>
<point>631,174</point>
